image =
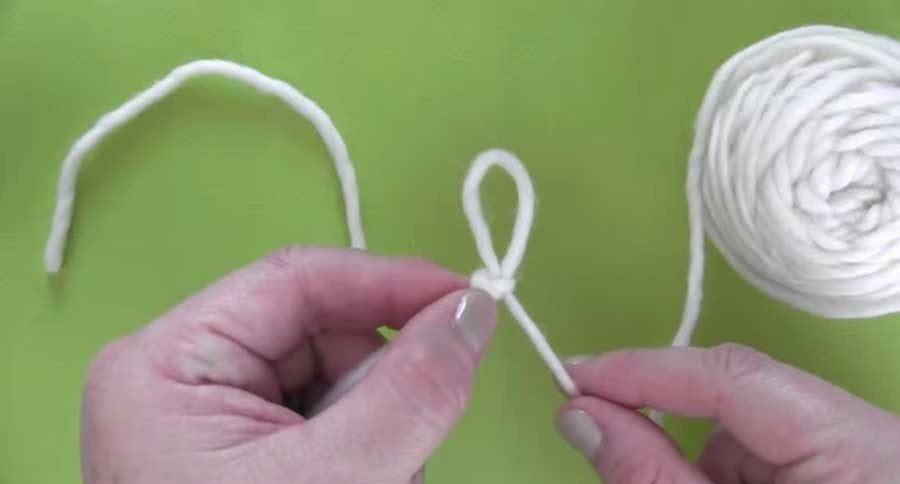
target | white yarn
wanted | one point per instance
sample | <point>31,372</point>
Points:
<point>65,193</point>
<point>497,278</point>
<point>795,173</point>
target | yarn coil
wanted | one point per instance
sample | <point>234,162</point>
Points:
<point>794,173</point>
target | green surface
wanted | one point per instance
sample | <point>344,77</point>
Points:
<point>596,97</point>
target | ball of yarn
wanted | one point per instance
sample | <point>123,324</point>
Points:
<point>795,171</point>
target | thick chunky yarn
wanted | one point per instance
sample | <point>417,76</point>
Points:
<point>795,173</point>
<point>497,277</point>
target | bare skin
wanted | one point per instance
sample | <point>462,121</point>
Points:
<point>198,395</point>
<point>230,387</point>
<point>777,424</point>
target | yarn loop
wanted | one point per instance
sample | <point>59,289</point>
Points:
<point>497,277</point>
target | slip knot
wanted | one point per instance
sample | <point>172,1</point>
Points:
<point>496,286</point>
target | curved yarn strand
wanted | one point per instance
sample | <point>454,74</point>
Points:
<point>65,194</point>
<point>497,277</point>
<point>795,173</point>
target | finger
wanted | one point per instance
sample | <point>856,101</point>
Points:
<point>349,377</point>
<point>331,393</point>
<point>339,353</point>
<point>306,374</point>
<point>776,411</point>
<point>327,357</point>
<point>297,368</point>
<point>404,405</point>
<point>234,331</point>
<point>727,461</point>
<point>623,446</point>
<point>271,306</point>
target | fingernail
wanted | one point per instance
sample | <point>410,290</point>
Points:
<point>475,315</point>
<point>581,431</point>
<point>577,360</point>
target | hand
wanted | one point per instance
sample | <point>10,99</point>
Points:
<point>777,424</point>
<point>197,396</point>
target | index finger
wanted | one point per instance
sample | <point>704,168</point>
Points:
<point>272,305</point>
<point>776,411</point>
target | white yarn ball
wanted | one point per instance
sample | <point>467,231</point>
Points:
<point>795,171</point>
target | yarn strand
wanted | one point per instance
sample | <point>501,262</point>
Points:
<point>54,251</point>
<point>694,298</point>
<point>497,277</point>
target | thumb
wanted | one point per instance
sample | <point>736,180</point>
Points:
<point>401,409</point>
<point>624,446</point>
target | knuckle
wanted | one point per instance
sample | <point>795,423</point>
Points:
<point>734,367</point>
<point>628,355</point>
<point>105,361</point>
<point>287,257</point>
<point>188,352</point>
<point>297,263</point>
<point>736,362</point>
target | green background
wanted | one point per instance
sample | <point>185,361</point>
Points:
<point>596,97</point>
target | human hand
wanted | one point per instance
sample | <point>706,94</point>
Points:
<point>777,424</point>
<point>197,396</point>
